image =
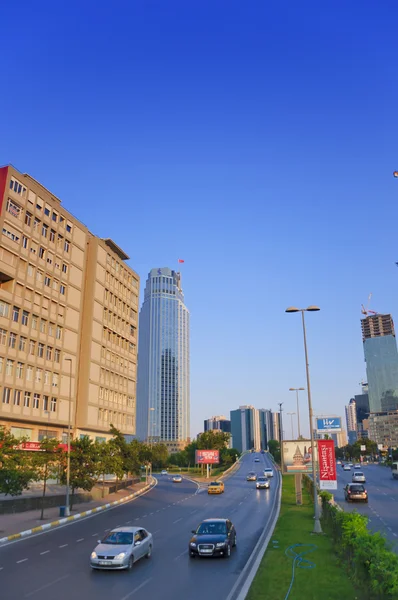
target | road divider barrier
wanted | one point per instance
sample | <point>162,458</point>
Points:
<point>82,515</point>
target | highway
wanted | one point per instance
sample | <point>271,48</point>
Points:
<point>56,564</point>
<point>382,508</point>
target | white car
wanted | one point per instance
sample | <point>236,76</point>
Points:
<point>177,479</point>
<point>164,472</point>
<point>268,472</point>
<point>121,548</point>
<point>357,466</point>
<point>338,462</point>
<point>256,460</point>
<point>262,483</point>
<point>358,477</point>
<point>346,468</point>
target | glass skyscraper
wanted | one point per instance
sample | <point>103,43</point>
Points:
<point>163,382</point>
<point>381,356</point>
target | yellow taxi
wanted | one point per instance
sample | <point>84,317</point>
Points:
<point>216,487</point>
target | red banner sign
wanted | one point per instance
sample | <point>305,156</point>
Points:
<point>327,465</point>
<point>207,457</point>
<point>36,447</point>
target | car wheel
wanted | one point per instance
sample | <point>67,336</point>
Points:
<point>192,555</point>
<point>131,562</point>
<point>234,544</point>
<point>227,554</point>
<point>149,553</point>
<point>366,500</point>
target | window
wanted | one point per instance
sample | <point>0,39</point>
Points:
<point>45,402</point>
<point>4,309</point>
<point>17,187</point>
<point>57,355</point>
<point>15,314</point>
<point>6,395</point>
<point>41,252</point>
<point>58,332</point>
<point>31,270</point>
<point>13,208</point>
<point>68,228</point>
<point>20,370</point>
<point>55,217</point>
<point>12,236</point>
<point>52,235</point>
<point>36,224</point>
<point>22,343</point>
<point>32,347</point>
<point>17,397</point>
<point>36,400</point>
<point>66,246</point>
<point>62,289</point>
<point>43,324</point>
<point>35,319</point>
<point>47,211</point>
<point>29,373</point>
<point>40,350</point>
<point>53,406</point>
<point>12,340</point>
<point>55,379</point>
<point>64,268</point>
<point>49,353</point>
<point>44,230</point>
<point>47,377</point>
<point>39,276</point>
<point>24,242</point>
<point>49,258</point>
<point>9,366</point>
<point>26,400</point>
<point>47,281</point>
<point>55,284</point>
<point>38,375</point>
<point>39,204</point>
<point>51,329</point>
<point>28,219</point>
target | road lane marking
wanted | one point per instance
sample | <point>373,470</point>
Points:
<point>47,585</point>
<point>45,552</point>
<point>157,531</point>
<point>136,589</point>
<point>94,534</point>
<point>107,529</point>
<point>389,528</point>
<point>21,561</point>
<point>178,520</point>
<point>150,514</point>
<point>137,519</point>
<point>193,512</point>
<point>127,522</point>
<point>80,540</point>
<point>395,534</point>
<point>182,554</point>
<point>63,546</point>
<point>143,517</point>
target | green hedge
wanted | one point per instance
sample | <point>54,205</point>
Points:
<point>367,556</point>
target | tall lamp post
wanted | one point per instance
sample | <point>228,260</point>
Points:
<point>297,390</point>
<point>67,509</point>
<point>281,433</point>
<point>291,422</point>
<point>293,309</point>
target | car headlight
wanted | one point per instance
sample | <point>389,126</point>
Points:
<point>220,544</point>
<point>193,545</point>
<point>120,556</point>
<point>93,555</point>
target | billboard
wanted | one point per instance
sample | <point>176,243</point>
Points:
<point>207,457</point>
<point>328,425</point>
<point>327,465</point>
<point>297,456</point>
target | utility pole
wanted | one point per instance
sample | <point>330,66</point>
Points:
<point>281,433</point>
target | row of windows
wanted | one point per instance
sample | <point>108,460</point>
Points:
<point>25,317</point>
<point>21,398</point>
<point>40,375</point>
<point>15,236</point>
<point>116,397</point>
<point>113,300</point>
<point>29,346</point>
<point>37,202</point>
<point>119,268</point>
<point>50,259</point>
<point>118,340</point>
<point>115,358</point>
<point>119,286</point>
<point>111,416</point>
<point>113,379</point>
<point>118,322</point>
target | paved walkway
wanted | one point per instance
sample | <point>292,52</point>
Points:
<point>14,523</point>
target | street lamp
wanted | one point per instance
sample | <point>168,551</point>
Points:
<point>297,390</point>
<point>67,510</point>
<point>291,422</point>
<point>293,309</point>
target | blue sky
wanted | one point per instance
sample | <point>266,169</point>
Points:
<point>256,141</point>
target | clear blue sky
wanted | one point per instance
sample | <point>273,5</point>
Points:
<point>255,140</point>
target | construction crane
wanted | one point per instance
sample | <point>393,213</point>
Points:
<point>366,311</point>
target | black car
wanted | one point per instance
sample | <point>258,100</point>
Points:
<point>213,537</point>
<point>355,491</point>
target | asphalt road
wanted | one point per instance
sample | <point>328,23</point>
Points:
<point>56,564</point>
<point>382,508</point>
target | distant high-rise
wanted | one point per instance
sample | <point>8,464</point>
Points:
<point>218,423</point>
<point>245,428</point>
<point>351,418</point>
<point>381,356</point>
<point>163,385</point>
<point>266,427</point>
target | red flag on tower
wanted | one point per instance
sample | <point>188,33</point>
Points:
<point>180,260</point>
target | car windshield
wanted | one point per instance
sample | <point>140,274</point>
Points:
<point>261,479</point>
<point>212,528</point>
<point>215,483</point>
<point>268,470</point>
<point>122,538</point>
<point>357,488</point>
<point>358,473</point>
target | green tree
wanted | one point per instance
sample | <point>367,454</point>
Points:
<point>274,448</point>
<point>130,453</point>
<point>83,466</point>
<point>160,456</point>
<point>16,471</point>
<point>213,440</point>
<point>107,461</point>
<point>46,464</point>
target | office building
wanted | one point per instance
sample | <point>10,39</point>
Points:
<point>67,302</point>
<point>381,356</point>
<point>218,423</point>
<point>163,385</point>
<point>383,428</point>
<point>339,438</point>
<point>351,419</point>
<point>266,427</point>
<point>245,428</point>
<point>276,426</point>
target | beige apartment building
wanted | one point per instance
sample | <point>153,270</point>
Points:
<point>68,320</point>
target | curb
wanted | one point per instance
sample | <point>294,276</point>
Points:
<point>250,569</point>
<point>86,513</point>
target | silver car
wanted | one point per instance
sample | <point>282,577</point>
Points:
<point>262,483</point>
<point>358,477</point>
<point>268,472</point>
<point>121,548</point>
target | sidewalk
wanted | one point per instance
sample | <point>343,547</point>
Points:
<point>17,522</point>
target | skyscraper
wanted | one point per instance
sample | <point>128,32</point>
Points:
<point>245,428</point>
<point>351,418</point>
<point>163,389</point>
<point>381,356</point>
<point>218,423</point>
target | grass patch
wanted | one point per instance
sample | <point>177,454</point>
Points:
<point>327,580</point>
